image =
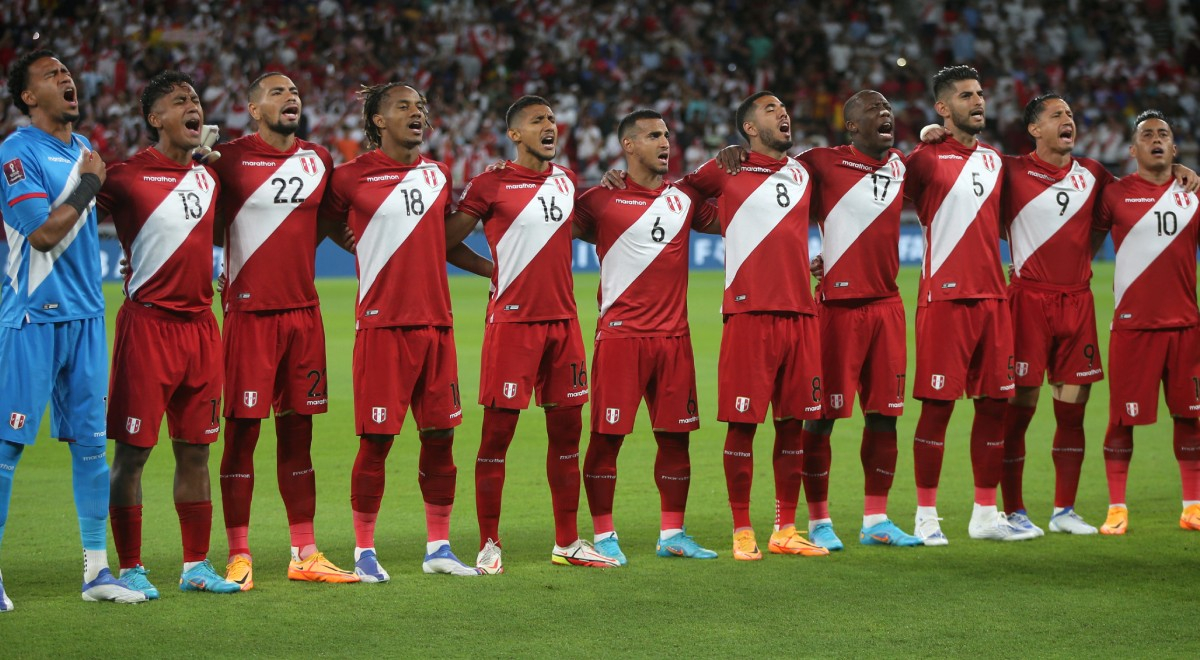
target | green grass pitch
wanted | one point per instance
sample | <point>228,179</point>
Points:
<point>1055,596</point>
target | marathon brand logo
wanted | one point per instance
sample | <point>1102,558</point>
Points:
<point>759,170</point>
<point>259,163</point>
<point>382,177</point>
<point>895,405</point>
<point>1047,177</point>
<point>509,390</point>
<point>572,395</point>
<point>133,424</point>
<point>741,403</point>
<point>1140,200</point>
<point>816,408</point>
<point>858,166</point>
<point>213,431</point>
<point>316,402</point>
<point>690,420</point>
<point>14,171</point>
<point>950,157</point>
<point>519,186</point>
<point>631,202</point>
<point>17,421</point>
<point>58,159</point>
<point>1090,372</point>
<point>378,414</point>
<point>456,414</point>
<point>159,179</point>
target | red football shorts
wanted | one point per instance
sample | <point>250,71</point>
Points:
<point>1138,360</point>
<point>398,368</point>
<point>769,358</point>
<point>964,347</point>
<point>660,369</point>
<point>521,358</point>
<point>863,349</point>
<point>1054,329</point>
<point>275,359</point>
<point>164,363</point>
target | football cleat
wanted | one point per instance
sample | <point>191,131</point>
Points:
<point>135,579</point>
<point>682,545</point>
<point>1190,518</point>
<point>240,572</point>
<point>610,547</point>
<point>368,570</point>
<point>1117,522</point>
<point>745,547</point>
<point>1069,522</point>
<point>6,605</point>
<point>581,553</point>
<point>788,541</point>
<point>106,587</point>
<point>444,561</point>
<point>318,569</point>
<point>202,577</point>
<point>1020,520</point>
<point>887,533</point>
<point>994,526</point>
<point>823,535</point>
<point>488,562</point>
<point>929,530</point>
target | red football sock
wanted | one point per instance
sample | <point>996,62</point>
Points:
<point>673,475</point>
<point>563,428</point>
<point>987,448</point>
<point>237,481</point>
<point>1118,452</point>
<point>438,477</point>
<point>817,459</point>
<point>297,481</point>
<point>929,447</point>
<point>1187,452</point>
<point>127,533</point>
<point>739,470</point>
<point>788,461</point>
<point>1068,451</point>
<point>1016,423</point>
<point>878,455</point>
<point>367,480</point>
<point>498,428</point>
<point>195,526</point>
<point>600,478</point>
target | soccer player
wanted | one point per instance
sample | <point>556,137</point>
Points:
<point>643,348</point>
<point>167,352</point>
<point>52,344</point>
<point>271,188</point>
<point>964,330</point>
<point>1156,324</point>
<point>770,344</point>
<point>532,339</point>
<point>395,202</point>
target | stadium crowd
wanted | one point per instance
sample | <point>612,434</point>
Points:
<point>596,61</point>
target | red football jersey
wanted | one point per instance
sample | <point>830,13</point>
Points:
<point>1155,230</point>
<point>398,215</point>
<point>164,215</point>
<point>269,202</point>
<point>764,219</point>
<point>1048,214</point>
<point>957,193</point>
<point>856,203</point>
<point>642,239</point>
<point>527,219</point>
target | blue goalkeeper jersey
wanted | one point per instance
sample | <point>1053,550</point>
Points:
<point>39,173</point>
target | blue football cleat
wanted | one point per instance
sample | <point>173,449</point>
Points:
<point>443,561</point>
<point>610,547</point>
<point>368,570</point>
<point>6,605</point>
<point>887,533</point>
<point>682,545</point>
<point>107,588</point>
<point>135,578</point>
<point>202,577</point>
<point>823,536</point>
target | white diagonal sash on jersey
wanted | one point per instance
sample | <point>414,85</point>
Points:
<point>757,217</point>
<point>1043,216</point>
<point>42,263</point>
<point>392,225</point>
<point>633,252</point>
<point>255,223</point>
<point>163,232</point>
<point>961,206</point>
<point>857,210</point>
<point>529,232</point>
<point>1139,249</point>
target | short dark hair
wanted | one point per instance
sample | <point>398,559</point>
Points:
<point>372,97</point>
<point>520,104</point>
<point>255,91</point>
<point>1033,109</point>
<point>18,78</point>
<point>629,121</point>
<point>158,87</point>
<point>851,106</point>
<point>1151,114</point>
<point>743,111</point>
<point>944,80</point>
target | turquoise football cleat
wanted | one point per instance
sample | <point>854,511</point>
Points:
<point>135,578</point>
<point>609,547</point>
<point>682,545</point>
<point>887,533</point>
<point>202,577</point>
<point>823,536</point>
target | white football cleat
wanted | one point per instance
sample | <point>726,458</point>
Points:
<point>1021,521</point>
<point>990,525</point>
<point>929,530</point>
<point>581,553</point>
<point>1069,522</point>
<point>488,562</point>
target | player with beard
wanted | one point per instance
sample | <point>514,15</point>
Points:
<point>272,184</point>
<point>532,341</point>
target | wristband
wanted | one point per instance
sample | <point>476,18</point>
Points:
<point>84,193</point>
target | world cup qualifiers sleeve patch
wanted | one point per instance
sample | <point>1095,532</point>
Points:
<point>14,171</point>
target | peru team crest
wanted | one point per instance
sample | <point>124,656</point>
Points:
<point>250,398</point>
<point>989,161</point>
<point>612,415</point>
<point>836,401</point>
<point>741,403</point>
<point>16,420</point>
<point>1183,200</point>
<point>202,181</point>
<point>563,186</point>
<point>673,203</point>
<point>1078,182</point>
<point>938,381</point>
<point>1132,408</point>
<point>1022,368</point>
<point>378,414</point>
<point>797,174</point>
<point>309,165</point>
<point>431,178</point>
<point>509,390</point>
<point>897,167</point>
<point>133,424</point>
